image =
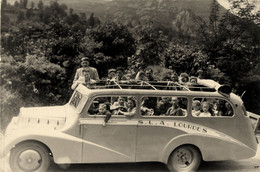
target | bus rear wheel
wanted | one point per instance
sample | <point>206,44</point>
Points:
<point>184,158</point>
<point>29,157</point>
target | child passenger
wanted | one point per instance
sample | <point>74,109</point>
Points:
<point>216,109</point>
<point>196,108</point>
<point>102,110</point>
<point>131,108</point>
<point>205,109</point>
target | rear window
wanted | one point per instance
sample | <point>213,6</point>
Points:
<point>76,99</point>
<point>211,107</point>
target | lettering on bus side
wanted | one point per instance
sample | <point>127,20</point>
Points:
<point>174,124</point>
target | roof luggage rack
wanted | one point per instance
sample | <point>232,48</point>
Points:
<point>156,85</point>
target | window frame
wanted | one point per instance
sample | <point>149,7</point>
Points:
<point>164,116</point>
<point>209,97</point>
<point>109,96</point>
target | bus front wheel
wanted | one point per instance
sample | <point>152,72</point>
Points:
<point>29,156</point>
<point>184,158</point>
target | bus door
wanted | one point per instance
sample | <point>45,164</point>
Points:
<point>114,141</point>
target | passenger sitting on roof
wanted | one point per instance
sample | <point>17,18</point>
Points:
<point>111,74</point>
<point>85,66</point>
<point>163,105</point>
<point>120,74</point>
<point>149,74</point>
<point>175,109</point>
<point>184,78</point>
<point>140,76</point>
<point>174,77</point>
<point>85,80</point>
<point>193,80</point>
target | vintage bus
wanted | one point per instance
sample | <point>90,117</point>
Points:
<point>179,125</point>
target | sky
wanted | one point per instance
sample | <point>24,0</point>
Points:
<point>225,3</point>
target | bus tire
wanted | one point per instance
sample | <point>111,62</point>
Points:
<point>29,156</point>
<point>184,158</point>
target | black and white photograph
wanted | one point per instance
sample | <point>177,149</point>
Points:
<point>130,86</point>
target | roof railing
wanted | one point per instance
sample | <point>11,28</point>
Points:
<point>154,85</point>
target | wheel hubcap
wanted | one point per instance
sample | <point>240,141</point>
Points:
<point>29,160</point>
<point>182,158</point>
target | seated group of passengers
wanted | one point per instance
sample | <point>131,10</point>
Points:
<point>207,109</point>
<point>119,106</point>
<point>166,106</point>
<point>88,76</point>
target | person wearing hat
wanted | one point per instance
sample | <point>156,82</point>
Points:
<point>111,74</point>
<point>120,74</point>
<point>85,65</point>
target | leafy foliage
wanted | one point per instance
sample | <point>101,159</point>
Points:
<point>41,48</point>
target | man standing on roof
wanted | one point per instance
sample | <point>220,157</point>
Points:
<point>85,65</point>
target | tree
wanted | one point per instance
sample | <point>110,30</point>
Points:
<point>40,5</point>
<point>108,45</point>
<point>91,20</point>
<point>214,15</point>
<point>3,4</point>
<point>151,46</point>
<point>32,5</point>
<point>20,16</point>
<point>184,26</point>
<point>16,4</point>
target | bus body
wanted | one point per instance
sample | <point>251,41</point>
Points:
<point>74,133</point>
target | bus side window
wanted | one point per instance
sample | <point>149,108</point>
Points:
<point>99,106</point>
<point>164,106</point>
<point>211,107</point>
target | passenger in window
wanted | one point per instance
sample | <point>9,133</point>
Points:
<point>205,109</point>
<point>216,109</point>
<point>102,110</point>
<point>131,108</point>
<point>146,111</point>
<point>120,104</point>
<point>196,108</point>
<point>93,109</point>
<point>163,105</point>
<point>149,102</point>
<point>175,109</point>
<point>229,111</point>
